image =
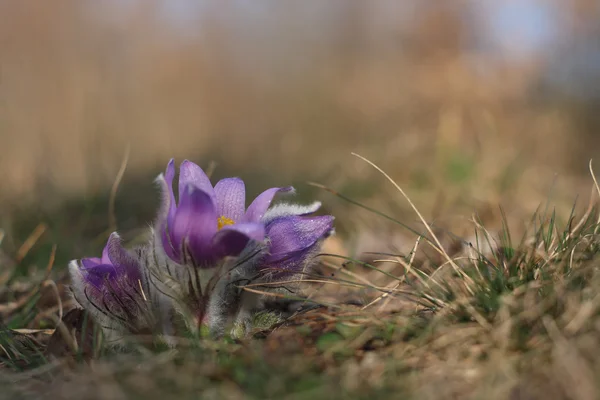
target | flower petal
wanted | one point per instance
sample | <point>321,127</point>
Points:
<point>232,239</point>
<point>91,262</point>
<point>258,208</point>
<point>283,265</point>
<point>86,289</point>
<point>288,210</point>
<point>105,258</point>
<point>116,264</point>
<point>115,300</point>
<point>195,223</point>
<point>230,196</point>
<point>168,207</point>
<point>97,275</point>
<point>169,176</point>
<point>192,174</point>
<point>123,262</point>
<point>291,234</point>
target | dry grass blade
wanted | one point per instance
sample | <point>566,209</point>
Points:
<point>112,218</point>
<point>35,235</point>
<point>341,269</point>
<point>52,284</point>
<point>595,184</point>
<point>33,331</point>
<point>395,285</point>
<point>287,297</point>
<point>332,282</point>
<point>416,210</point>
<point>10,307</point>
<point>76,334</point>
<point>210,170</point>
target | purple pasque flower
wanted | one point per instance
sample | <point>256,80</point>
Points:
<point>116,263</point>
<point>293,240</point>
<point>208,223</point>
<point>114,289</point>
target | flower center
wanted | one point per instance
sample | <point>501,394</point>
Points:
<point>223,220</point>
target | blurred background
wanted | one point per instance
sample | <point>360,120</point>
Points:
<point>467,104</point>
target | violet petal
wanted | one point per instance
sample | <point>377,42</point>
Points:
<point>167,208</point>
<point>230,196</point>
<point>291,234</point>
<point>261,203</point>
<point>97,275</point>
<point>195,221</point>
<point>286,264</point>
<point>169,176</point>
<point>91,262</point>
<point>164,225</point>
<point>116,262</point>
<point>105,256</point>
<point>192,174</point>
<point>120,258</point>
<point>232,239</point>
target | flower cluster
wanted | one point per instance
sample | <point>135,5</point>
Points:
<point>206,246</point>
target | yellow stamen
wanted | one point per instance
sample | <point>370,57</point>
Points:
<point>223,220</point>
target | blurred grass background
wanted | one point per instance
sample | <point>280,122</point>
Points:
<point>466,104</point>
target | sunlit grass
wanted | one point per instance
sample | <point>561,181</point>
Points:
<point>492,317</point>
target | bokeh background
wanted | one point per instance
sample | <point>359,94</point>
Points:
<point>467,104</point>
